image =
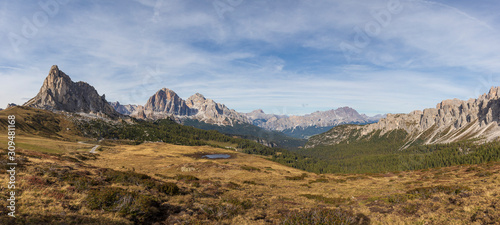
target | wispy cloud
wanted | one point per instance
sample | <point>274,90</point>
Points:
<point>273,55</point>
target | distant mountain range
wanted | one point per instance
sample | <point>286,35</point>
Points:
<point>451,121</point>
<point>309,124</point>
<point>60,93</point>
<point>166,103</point>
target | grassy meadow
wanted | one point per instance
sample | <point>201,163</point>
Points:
<point>60,182</point>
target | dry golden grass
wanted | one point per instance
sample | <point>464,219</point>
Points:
<point>270,189</point>
<point>48,145</point>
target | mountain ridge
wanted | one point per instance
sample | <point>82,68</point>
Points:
<point>166,103</point>
<point>309,124</point>
<point>450,121</point>
<point>60,93</point>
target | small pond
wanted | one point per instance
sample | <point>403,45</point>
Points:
<point>216,156</point>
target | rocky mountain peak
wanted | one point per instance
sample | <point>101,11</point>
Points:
<point>452,120</point>
<point>449,102</point>
<point>196,100</point>
<point>168,93</point>
<point>60,93</point>
<point>494,93</point>
<point>166,101</point>
<point>259,111</point>
<point>198,95</point>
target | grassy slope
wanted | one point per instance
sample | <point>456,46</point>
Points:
<point>60,182</point>
<point>40,122</point>
<point>380,153</point>
<point>245,189</point>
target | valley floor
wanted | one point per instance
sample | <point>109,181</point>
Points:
<point>62,182</point>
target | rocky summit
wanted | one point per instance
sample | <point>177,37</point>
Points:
<point>60,93</point>
<point>452,120</point>
<point>123,109</point>
<point>166,103</point>
<point>11,105</point>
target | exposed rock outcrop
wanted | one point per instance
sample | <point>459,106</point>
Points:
<point>123,109</point>
<point>451,120</point>
<point>166,103</point>
<point>60,93</point>
<point>11,105</point>
<point>209,111</point>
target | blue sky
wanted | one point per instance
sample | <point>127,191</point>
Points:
<point>285,57</point>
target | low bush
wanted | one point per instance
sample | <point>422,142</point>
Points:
<point>323,216</point>
<point>333,201</point>
<point>250,168</point>
<point>168,188</point>
<point>128,177</point>
<point>249,182</point>
<point>186,178</point>
<point>424,193</point>
<point>320,180</point>
<point>136,207</point>
<point>484,174</point>
<point>226,209</point>
<point>301,177</point>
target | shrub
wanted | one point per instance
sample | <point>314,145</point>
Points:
<point>426,192</point>
<point>186,178</point>
<point>323,216</point>
<point>168,188</point>
<point>320,180</point>
<point>77,180</point>
<point>128,177</point>
<point>301,177</point>
<point>37,181</point>
<point>225,209</point>
<point>484,174</point>
<point>250,168</point>
<point>410,209</point>
<point>232,185</point>
<point>249,182</point>
<point>333,201</point>
<point>135,206</point>
<point>473,168</point>
<point>244,204</point>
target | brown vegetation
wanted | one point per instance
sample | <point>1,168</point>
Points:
<point>60,182</point>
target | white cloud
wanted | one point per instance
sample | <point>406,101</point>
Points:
<point>249,58</point>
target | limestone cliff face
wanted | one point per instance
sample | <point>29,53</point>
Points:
<point>451,120</point>
<point>209,111</point>
<point>328,118</point>
<point>60,93</point>
<point>166,103</point>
